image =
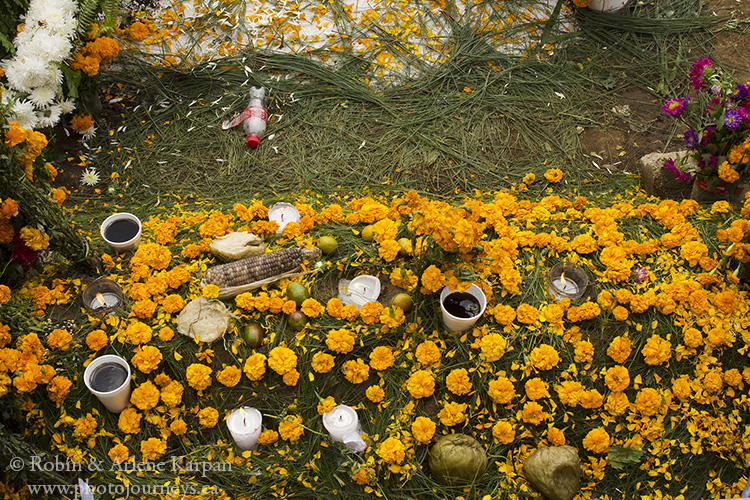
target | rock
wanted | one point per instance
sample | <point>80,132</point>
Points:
<point>554,471</point>
<point>236,246</point>
<point>658,181</point>
<point>203,319</point>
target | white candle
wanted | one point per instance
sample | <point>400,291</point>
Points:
<point>283,213</point>
<point>342,424</point>
<point>105,300</point>
<point>340,421</point>
<point>244,425</point>
<point>566,286</point>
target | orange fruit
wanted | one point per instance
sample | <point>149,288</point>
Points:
<point>402,301</point>
<point>368,234</point>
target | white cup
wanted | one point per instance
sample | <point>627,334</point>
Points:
<point>607,5</point>
<point>117,399</point>
<point>121,246</point>
<point>456,324</point>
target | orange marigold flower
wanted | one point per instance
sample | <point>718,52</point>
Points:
<point>290,429</point>
<point>322,362</point>
<point>392,451</point>
<point>428,353</point>
<point>452,413</point>
<point>59,339</point>
<point>356,371</point>
<point>340,341</point>
<point>504,432</point>
<point>423,429</point>
<point>458,381</point>
<point>146,358</point>
<point>597,441</point>
<point>544,357</point>
<point>656,351</point>
<point>382,358</point>
<point>533,413</point>
<point>198,376</point>
<point>208,417</point>
<point>281,359</point>
<point>619,349</point>
<point>553,175</point>
<point>421,384</point>
<point>648,401</point>
<point>145,396</point>
<point>501,390</point>
<point>229,376</point>
<point>153,448</point>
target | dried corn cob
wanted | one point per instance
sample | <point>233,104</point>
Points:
<point>259,267</point>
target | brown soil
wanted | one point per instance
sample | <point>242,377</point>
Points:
<point>643,131</point>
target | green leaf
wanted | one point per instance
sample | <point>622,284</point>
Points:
<point>72,80</point>
<point>620,456</point>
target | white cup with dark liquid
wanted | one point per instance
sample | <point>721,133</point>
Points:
<point>108,378</point>
<point>462,309</point>
<point>122,231</point>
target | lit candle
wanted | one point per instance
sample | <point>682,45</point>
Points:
<point>283,214</point>
<point>105,300</point>
<point>244,425</point>
<point>567,280</point>
<point>566,286</point>
<point>342,423</point>
<point>102,294</point>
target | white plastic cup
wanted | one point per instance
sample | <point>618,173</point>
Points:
<point>121,246</point>
<point>456,324</point>
<point>607,5</point>
<point>115,400</point>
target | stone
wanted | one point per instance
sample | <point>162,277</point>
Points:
<point>554,471</point>
<point>658,181</point>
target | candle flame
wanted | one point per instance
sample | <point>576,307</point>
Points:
<point>100,298</point>
<point>562,279</point>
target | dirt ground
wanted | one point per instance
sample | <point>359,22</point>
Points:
<point>646,127</point>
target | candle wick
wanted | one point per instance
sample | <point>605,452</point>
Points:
<point>282,217</point>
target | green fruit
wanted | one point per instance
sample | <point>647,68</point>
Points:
<point>297,321</point>
<point>253,334</point>
<point>327,244</point>
<point>297,292</point>
<point>402,301</point>
<point>368,234</point>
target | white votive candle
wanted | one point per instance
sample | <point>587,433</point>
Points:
<point>340,421</point>
<point>283,214</point>
<point>244,425</point>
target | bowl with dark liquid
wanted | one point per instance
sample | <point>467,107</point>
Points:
<point>108,378</point>
<point>462,309</point>
<point>122,231</point>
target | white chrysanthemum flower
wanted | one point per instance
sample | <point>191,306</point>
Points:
<point>26,73</point>
<point>90,177</point>
<point>88,133</point>
<point>50,116</point>
<point>67,106</point>
<point>51,46</point>
<point>25,114</point>
<point>43,96</point>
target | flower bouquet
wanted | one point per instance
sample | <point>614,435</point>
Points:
<point>717,117</point>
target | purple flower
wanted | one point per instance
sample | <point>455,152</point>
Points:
<point>675,105</point>
<point>678,174</point>
<point>696,71</point>
<point>732,119</point>
<point>691,138</point>
<point>741,92</point>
